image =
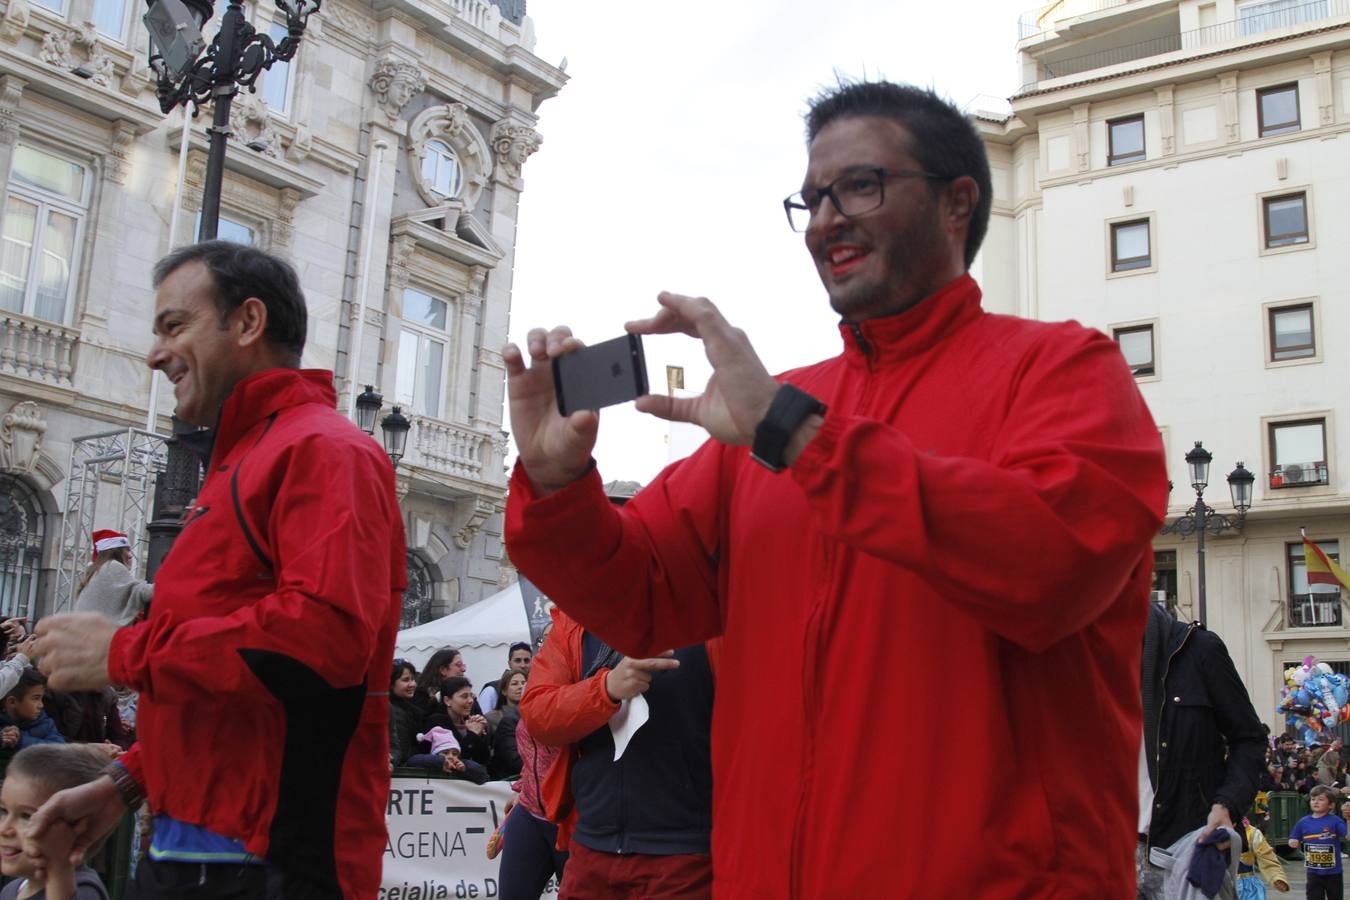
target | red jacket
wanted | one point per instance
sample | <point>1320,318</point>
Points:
<point>264,663</point>
<point>960,558</point>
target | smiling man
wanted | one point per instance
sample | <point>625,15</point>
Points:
<point>981,488</point>
<point>263,715</point>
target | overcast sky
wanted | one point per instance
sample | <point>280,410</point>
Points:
<point>668,153</point>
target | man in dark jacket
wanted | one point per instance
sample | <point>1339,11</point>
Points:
<point>1203,742</point>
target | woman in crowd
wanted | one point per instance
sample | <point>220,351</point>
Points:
<point>504,719</point>
<point>528,839</point>
<point>108,586</point>
<point>470,729</point>
<point>444,663</point>
<point>405,718</point>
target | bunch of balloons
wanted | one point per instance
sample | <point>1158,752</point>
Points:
<point>1314,700</point>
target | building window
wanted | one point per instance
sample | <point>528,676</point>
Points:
<point>1136,345</point>
<point>1258,18</point>
<point>417,598</point>
<point>1130,246</point>
<point>1126,137</point>
<point>421,353</point>
<point>44,215</point>
<point>1285,219</point>
<point>441,170</point>
<point>110,18</point>
<point>1277,110</point>
<point>1165,577</point>
<point>1298,452</point>
<point>56,6</point>
<point>1291,332</point>
<point>276,80</point>
<point>1312,605</point>
<point>21,539</point>
<point>228,229</point>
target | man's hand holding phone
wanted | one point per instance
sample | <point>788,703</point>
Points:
<point>555,451</point>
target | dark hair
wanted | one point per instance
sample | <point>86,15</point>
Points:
<point>400,665</point>
<point>519,645</point>
<point>430,679</point>
<point>29,678</point>
<point>240,272</point>
<point>503,683</point>
<point>453,685</point>
<point>56,767</point>
<point>944,141</point>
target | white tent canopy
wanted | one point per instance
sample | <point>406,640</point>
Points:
<point>483,633</point>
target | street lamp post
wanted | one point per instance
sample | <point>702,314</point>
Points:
<point>1201,518</point>
<point>184,74</point>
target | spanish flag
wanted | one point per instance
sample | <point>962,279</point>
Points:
<point>1321,568</point>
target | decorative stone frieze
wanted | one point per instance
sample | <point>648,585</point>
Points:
<point>21,431</point>
<point>513,143</point>
<point>394,83</point>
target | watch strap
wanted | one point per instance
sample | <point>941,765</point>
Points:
<point>791,407</point>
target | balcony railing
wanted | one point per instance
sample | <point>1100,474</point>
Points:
<point>1254,21</point>
<point>475,12</point>
<point>1292,475</point>
<point>1315,610</point>
<point>31,348</point>
<point>454,450</point>
<point>1044,17</point>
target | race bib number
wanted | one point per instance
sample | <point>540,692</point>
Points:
<point>1320,856</point>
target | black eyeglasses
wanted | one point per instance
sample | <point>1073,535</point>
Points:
<point>854,193</point>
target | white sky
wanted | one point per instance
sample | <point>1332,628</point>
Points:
<point>668,153</point>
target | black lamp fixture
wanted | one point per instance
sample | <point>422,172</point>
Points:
<point>395,427</point>
<point>367,408</point>
<point>1201,518</point>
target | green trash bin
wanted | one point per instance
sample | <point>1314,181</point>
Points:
<point>1286,808</point>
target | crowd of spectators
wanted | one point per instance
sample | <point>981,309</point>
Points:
<point>437,723</point>
<point>1290,767</point>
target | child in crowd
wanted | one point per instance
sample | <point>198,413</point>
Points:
<point>1319,836</point>
<point>23,721</point>
<point>445,757</point>
<point>35,774</point>
<point>1259,866</point>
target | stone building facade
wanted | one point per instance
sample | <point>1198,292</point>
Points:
<point>384,161</point>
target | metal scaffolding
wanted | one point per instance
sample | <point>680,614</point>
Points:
<point>127,460</point>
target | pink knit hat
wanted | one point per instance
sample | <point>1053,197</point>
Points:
<point>442,739</point>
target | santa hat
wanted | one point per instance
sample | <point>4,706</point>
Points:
<point>106,539</point>
<point>442,739</point>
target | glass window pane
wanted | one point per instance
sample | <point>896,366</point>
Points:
<point>1286,220</point>
<point>47,172</point>
<point>431,378</point>
<point>1300,443</point>
<point>1279,110</point>
<point>110,17</point>
<point>440,169</point>
<point>17,253</point>
<point>1127,137</point>
<point>423,309</point>
<point>405,381</point>
<point>1132,241</point>
<point>56,6</point>
<point>1137,348</point>
<point>1292,333</point>
<point>276,80</point>
<point>54,264</point>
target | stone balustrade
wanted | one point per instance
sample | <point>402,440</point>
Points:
<point>42,351</point>
<point>475,12</point>
<point>454,450</point>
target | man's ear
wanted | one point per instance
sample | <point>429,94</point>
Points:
<point>250,318</point>
<point>963,195</point>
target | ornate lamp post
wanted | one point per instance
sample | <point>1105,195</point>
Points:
<point>1201,518</point>
<point>395,427</point>
<point>367,408</point>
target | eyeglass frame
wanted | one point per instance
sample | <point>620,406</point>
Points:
<point>790,202</point>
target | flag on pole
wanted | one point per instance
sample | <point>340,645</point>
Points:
<point>1321,568</point>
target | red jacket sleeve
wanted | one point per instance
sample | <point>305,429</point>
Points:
<point>1062,510</point>
<point>329,535</point>
<point>558,708</point>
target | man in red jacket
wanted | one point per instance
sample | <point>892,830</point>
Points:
<point>945,526</point>
<point>262,667</point>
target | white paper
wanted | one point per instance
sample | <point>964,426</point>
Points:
<point>632,715</point>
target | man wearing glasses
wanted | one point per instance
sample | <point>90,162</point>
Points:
<point>982,486</point>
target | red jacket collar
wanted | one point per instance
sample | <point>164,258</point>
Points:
<point>915,330</point>
<point>263,393</point>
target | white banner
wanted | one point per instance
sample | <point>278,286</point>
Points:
<point>438,834</point>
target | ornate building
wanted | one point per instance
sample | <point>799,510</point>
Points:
<point>384,161</point>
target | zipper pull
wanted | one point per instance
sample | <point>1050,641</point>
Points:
<point>863,345</point>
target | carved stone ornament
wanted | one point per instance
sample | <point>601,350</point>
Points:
<point>119,151</point>
<point>15,21</point>
<point>513,144</point>
<point>251,126</point>
<point>79,48</point>
<point>400,253</point>
<point>11,92</point>
<point>395,83</point>
<point>350,20</point>
<point>21,432</point>
<point>482,509</point>
<point>450,123</point>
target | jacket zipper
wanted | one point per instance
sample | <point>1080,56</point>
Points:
<point>1157,754</point>
<point>863,344</point>
<point>811,638</point>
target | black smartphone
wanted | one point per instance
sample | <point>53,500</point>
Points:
<point>601,375</point>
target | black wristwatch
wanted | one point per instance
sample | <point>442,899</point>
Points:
<point>789,409</point>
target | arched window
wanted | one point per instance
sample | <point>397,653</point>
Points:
<point>417,598</point>
<point>441,170</point>
<point>21,539</point>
